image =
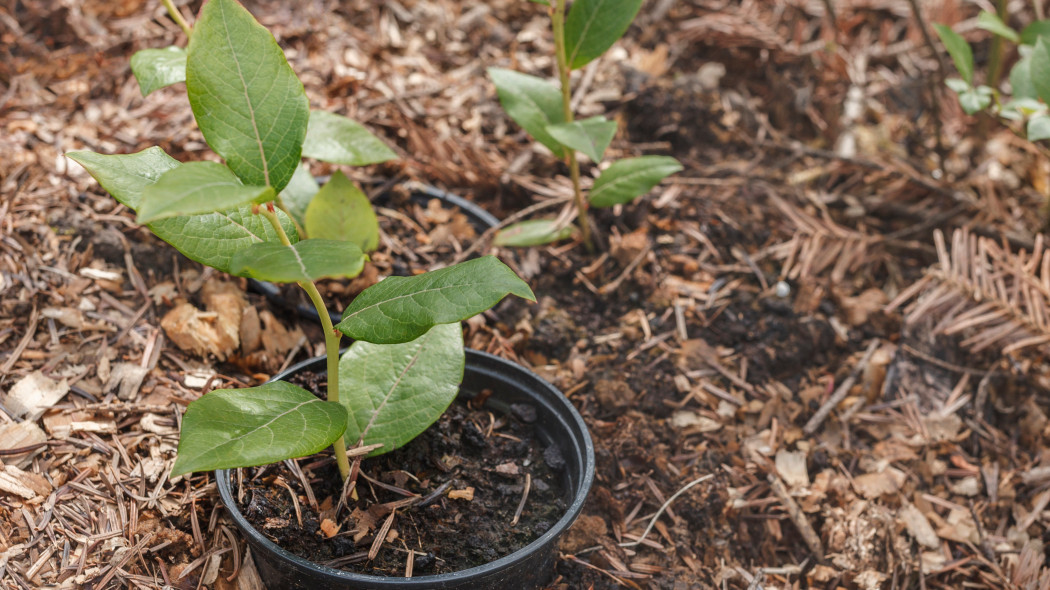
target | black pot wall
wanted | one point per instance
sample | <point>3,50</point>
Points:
<point>528,568</point>
<point>481,219</point>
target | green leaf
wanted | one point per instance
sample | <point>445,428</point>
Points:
<point>340,211</point>
<point>534,232</point>
<point>339,140</point>
<point>594,25</point>
<point>1040,69</point>
<point>300,191</point>
<point>975,100</point>
<point>197,187</point>
<point>590,136</point>
<point>214,238</point>
<point>630,178</point>
<point>249,104</point>
<point>393,392</point>
<point>1021,79</point>
<point>991,22</point>
<point>126,175</point>
<point>1039,128</point>
<point>532,102</point>
<point>231,428</point>
<point>157,68</point>
<point>959,49</point>
<point>1035,30</point>
<point>957,84</point>
<point>401,309</point>
<point>308,260</point>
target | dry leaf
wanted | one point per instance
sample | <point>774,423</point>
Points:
<point>329,528</point>
<point>873,485</point>
<point>917,526</point>
<point>791,465</point>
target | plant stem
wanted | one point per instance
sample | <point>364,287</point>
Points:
<point>1038,6</point>
<point>558,25</point>
<point>331,342</point>
<point>177,17</point>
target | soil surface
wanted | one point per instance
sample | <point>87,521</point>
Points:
<point>453,491</point>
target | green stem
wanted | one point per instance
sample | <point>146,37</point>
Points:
<point>331,341</point>
<point>177,17</point>
<point>558,25</point>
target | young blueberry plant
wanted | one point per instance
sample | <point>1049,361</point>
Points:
<point>545,112</point>
<point>240,217</point>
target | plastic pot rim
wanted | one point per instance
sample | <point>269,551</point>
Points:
<point>566,409</point>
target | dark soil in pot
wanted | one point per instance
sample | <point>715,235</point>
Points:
<point>469,473</point>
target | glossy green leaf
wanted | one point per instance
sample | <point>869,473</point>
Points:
<point>594,25</point>
<point>248,103</point>
<point>231,428</point>
<point>214,238</point>
<point>627,179</point>
<point>1040,69</point>
<point>991,22</point>
<point>197,187</point>
<point>590,136</point>
<point>393,392</point>
<point>340,211</point>
<point>300,191</point>
<point>401,309</point>
<point>126,175</point>
<point>532,102</point>
<point>157,68</point>
<point>974,100</point>
<point>534,232</point>
<point>959,50</point>
<point>308,260</point>
<point>958,85</point>
<point>1039,128</point>
<point>339,140</point>
<point>1035,30</point>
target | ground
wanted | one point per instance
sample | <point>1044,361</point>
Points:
<point>820,348</point>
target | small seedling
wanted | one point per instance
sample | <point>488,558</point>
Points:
<point>241,217</point>
<point>545,112</point>
<point>1029,77</point>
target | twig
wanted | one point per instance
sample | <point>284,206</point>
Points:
<point>34,319</point>
<point>524,496</point>
<point>381,536</point>
<point>667,504</point>
<point>797,517</point>
<point>615,283</point>
<point>841,391</point>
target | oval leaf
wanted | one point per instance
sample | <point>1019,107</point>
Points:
<point>308,260</point>
<point>296,197</point>
<point>125,176</point>
<point>197,187</point>
<point>214,239</point>
<point>1035,30</point>
<point>231,428</point>
<point>959,49</point>
<point>1039,128</point>
<point>340,211</point>
<point>397,390</point>
<point>534,232</point>
<point>594,25</point>
<point>339,140</point>
<point>532,102</point>
<point>401,309</point>
<point>157,68</point>
<point>590,136</point>
<point>975,100</point>
<point>1021,79</point>
<point>628,179</point>
<point>991,22</point>
<point>1040,69</point>
<point>248,102</point>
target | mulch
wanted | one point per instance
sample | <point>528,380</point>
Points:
<point>814,358</point>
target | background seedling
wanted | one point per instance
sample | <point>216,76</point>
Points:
<point>545,112</point>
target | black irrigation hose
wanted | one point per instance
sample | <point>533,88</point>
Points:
<point>481,220</point>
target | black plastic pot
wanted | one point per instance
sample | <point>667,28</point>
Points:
<point>481,219</point>
<point>558,423</point>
